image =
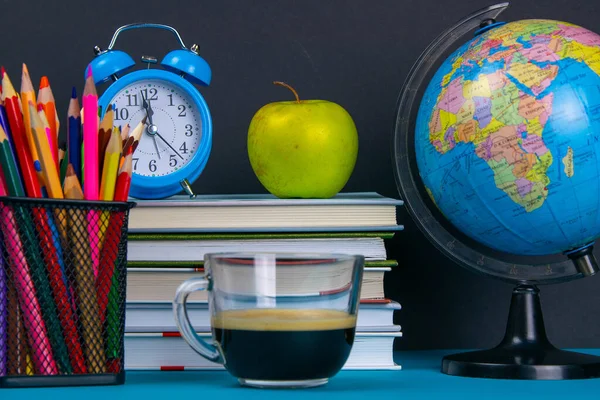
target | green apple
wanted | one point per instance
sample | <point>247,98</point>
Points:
<point>302,148</point>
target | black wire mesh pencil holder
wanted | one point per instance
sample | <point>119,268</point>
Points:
<point>62,292</point>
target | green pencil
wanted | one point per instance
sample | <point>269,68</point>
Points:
<point>11,174</point>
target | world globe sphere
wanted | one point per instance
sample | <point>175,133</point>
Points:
<point>507,138</point>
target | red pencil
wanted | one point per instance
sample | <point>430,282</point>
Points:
<point>124,177</point>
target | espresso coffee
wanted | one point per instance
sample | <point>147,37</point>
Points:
<point>284,344</point>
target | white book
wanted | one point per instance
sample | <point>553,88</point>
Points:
<point>160,284</point>
<point>154,351</point>
<point>159,317</point>
<point>372,248</point>
<point>266,213</point>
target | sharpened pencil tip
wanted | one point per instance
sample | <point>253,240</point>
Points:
<point>25,69</point>
<point>144,120</point>
<point>2,71</point>
<point>89,71</point>
<point>44,83</point>
<point>73,93</point>
<point>70,170</point>
<point>110,107</point>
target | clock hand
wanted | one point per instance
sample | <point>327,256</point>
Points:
<point>149,113</point>
<point>171,147</point>
<point>148,108</point>
<point>156,147</point>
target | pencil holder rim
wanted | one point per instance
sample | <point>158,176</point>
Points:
<point>126,205</point>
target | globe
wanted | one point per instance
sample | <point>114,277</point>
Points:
<point>496,158</point>
<point>507,137</point>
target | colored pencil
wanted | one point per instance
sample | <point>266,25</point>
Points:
<point>90,138</point>
<point>74,133</point>
<point>90,163</point>
<point>63,161</point>
<point>46,100</point>
<point>107,191</point>
<point>104,134</point>
<point>43,136</point>
<point>3,311</point>
<point>4,123</point>
<point>111,167</point>
<point>50,136</point>
<point>137,133</point>
<point>114,308</point>
<point>47,161</point>
<point>22,279</point>
<point>22,151</point>
<point>107,183</point>
<point>125,134</point>
<point>9,166</point>
<point>17,336</point>
<point>14,318</point>
<point>89,311</point>
<point>61,155</point>
<point>28,95</point>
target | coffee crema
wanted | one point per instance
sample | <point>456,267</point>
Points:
<point>284,344</point>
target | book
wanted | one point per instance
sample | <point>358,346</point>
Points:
<point>160,284</point>
<point>170,352</point>
<point>192,250</point>
<point>347,212</point>
<point>373,316</point>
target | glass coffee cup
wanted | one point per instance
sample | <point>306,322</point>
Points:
<point>278,320</point>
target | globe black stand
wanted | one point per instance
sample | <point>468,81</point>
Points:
<point>525,352</point>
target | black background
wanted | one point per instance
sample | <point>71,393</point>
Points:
<point>356,53</point>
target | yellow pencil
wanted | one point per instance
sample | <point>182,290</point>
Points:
<point>48,130</point>
<point>111,166</point>
<point>109,178</point>
<point>46,160</point>
<point>27,96</point>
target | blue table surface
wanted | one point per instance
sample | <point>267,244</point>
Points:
<point>420,378</point>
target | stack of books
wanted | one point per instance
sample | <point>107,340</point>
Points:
<point>168,239</point>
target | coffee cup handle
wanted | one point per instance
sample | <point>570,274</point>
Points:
<point>202,347</point>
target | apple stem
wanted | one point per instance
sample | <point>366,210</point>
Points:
<point>289,87</point>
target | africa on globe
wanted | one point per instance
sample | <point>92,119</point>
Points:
<point>507,137</point>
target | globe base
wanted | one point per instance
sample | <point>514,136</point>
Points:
<point>525,352</point>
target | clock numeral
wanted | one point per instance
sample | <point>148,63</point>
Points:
<point>153,94</point>
<point>172,161</point>
<point>181,109</point>
<point>131,103</point>
<point>188,130</point>
<point>183,148</point>
<point>170,100</point>
<point>121,114</point>
<point>135,161</point>
<point>152,165</point>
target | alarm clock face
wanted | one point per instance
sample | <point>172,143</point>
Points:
<point>173,132</point>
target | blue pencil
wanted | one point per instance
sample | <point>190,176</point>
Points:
<point>74,137</point>
<point>57,246</point>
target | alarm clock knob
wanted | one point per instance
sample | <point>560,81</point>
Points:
<point>189,64</point>
<point>108,64</point>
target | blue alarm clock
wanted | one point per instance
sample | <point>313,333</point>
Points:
<point>177,137</point>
